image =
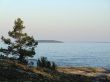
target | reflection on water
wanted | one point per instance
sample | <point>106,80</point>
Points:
<point>76,54</point>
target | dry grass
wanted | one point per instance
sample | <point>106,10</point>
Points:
<point>63,74</point>
<point>87,71</point>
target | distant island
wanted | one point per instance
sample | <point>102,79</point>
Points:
<point>49,41</point>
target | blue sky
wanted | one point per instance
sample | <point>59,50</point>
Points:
<point>66,20</point>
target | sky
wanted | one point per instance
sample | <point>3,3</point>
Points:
<point>64,20</point>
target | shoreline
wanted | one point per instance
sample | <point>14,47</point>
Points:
<point>14,71</point>
<point>88,71</point>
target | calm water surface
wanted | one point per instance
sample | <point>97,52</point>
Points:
<point>76,54</point>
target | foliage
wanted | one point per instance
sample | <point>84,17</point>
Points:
<point>44,63</point>
<point>11,71</point>
<point>19,43</point>
<point>2,56</point>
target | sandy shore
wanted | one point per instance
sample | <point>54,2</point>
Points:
<point>11,71</point>
<point>87,71</point>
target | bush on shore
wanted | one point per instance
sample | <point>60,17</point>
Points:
<point>43,62</point>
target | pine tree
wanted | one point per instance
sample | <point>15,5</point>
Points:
<point>20,44</point>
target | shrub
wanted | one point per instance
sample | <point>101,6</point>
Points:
<point>43,62</point>
<point>3,56</point>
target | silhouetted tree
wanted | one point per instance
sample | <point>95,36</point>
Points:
<point>53,66</point>
<point>20,44</point>
<point>44,63</point>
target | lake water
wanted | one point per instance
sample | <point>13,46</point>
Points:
<point>76,54</point>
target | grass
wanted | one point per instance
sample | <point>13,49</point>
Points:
<point>12,71</point>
